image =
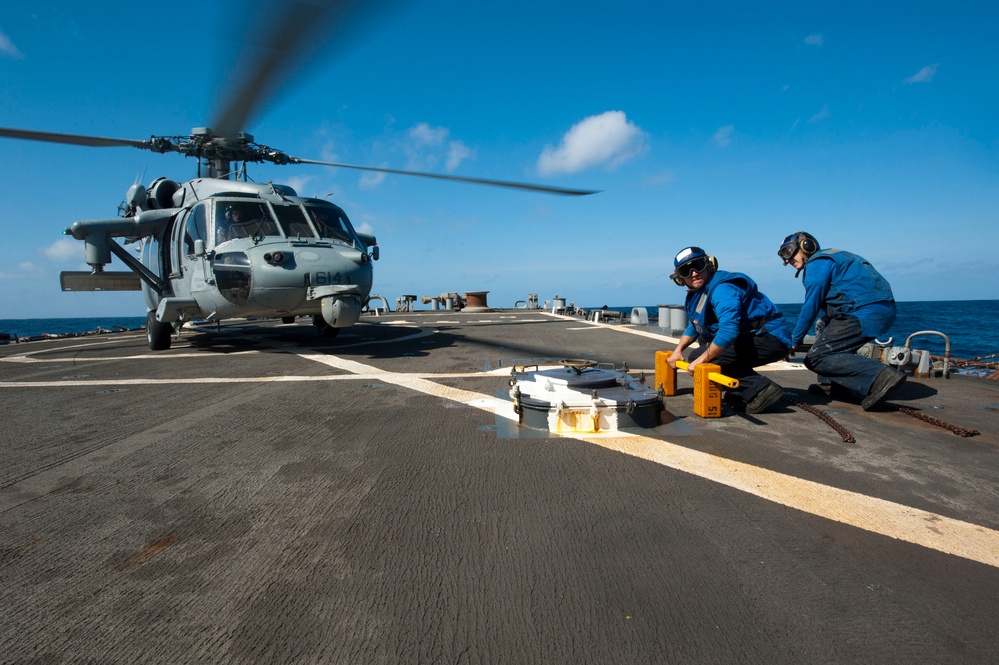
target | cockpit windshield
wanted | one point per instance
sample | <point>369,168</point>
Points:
<point>331,222</point>
<point>293,222</point>
<point>243,219</point>
<point>255,219</point>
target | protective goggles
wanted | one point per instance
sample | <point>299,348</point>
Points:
<point>789,248</point>
<point>697,265</point>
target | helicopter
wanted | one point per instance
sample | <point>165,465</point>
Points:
<point>221,247</point>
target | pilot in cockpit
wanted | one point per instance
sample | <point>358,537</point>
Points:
<point>231,224</point>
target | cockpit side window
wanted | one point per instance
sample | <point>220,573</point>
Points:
<point>331,222</point>
<point>196,228</point>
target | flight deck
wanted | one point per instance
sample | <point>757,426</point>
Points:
<point>260,494</point>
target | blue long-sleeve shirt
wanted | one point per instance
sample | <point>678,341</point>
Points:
<point>839,283</point>
<point>729,305</point>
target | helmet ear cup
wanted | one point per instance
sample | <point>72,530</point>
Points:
<point>677,279</point>
<point>806,242</point>
<point>714,263</point>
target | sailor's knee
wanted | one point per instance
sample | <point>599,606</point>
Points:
<point>813,360</point>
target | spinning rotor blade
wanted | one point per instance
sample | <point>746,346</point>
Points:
<point>477,181</point>
<point>284,37</point>
<point>72,139</point>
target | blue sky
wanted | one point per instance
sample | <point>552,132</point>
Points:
<point>871,125</point>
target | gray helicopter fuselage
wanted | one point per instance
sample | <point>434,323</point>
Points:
<point>282,255</point>
<point>237,250</point>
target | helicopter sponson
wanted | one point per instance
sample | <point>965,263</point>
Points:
<point>215,249</point>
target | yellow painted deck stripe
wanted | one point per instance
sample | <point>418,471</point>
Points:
<point>919,527</point>
<point>911,525</point>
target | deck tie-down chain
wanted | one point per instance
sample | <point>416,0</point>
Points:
<point>824,417</point>
<point>915,413</point>
<point>848,437</point>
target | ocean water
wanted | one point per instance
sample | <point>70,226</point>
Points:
<point>34,327</point>
<point>971,325</point>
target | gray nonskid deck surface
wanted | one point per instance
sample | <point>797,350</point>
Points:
<point>261,495</point>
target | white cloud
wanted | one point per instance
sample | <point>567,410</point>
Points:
<point>370,180</point>
<point>28,268</point>
<point>8,49</point>
<point>814,40</point>
<point>607,139</point>
<point>662,179</point>
<point>924,75</point>
<point>328,152</point>
<point>424,134</point>
<point>723,136</point>
<point>426,147</point>
<point>299,183</point>
<point>457,152</point>
<point>821,115</point>
<point>64,249</point>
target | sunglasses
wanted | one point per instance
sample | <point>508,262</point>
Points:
<point>697,265</point>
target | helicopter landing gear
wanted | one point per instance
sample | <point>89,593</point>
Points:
<point>324,329</point>
<point>287,319</point>
<point>158,333</point>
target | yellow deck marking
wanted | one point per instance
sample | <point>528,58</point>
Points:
<point>291,378</point>
<point>911,525</point>
<point>894,520</point>
<point>412,381</point>
<point>920,527</point>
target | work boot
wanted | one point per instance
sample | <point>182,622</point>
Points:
<point>765,399</point>
<point>887,381</point>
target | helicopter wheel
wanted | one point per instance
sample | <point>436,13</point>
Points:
<point>287,319</point>
<point>324,329</point>
<point>158,333</point>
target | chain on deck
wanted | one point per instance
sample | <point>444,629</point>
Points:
<point>915,413</point>
<point>824,417</point>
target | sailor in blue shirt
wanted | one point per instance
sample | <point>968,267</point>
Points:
<point>856,306</point>
<point>736,326</point>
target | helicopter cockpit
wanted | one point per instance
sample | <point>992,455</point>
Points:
<point>243,219</point>
<point>236,219</point>
<point>331,223</point>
